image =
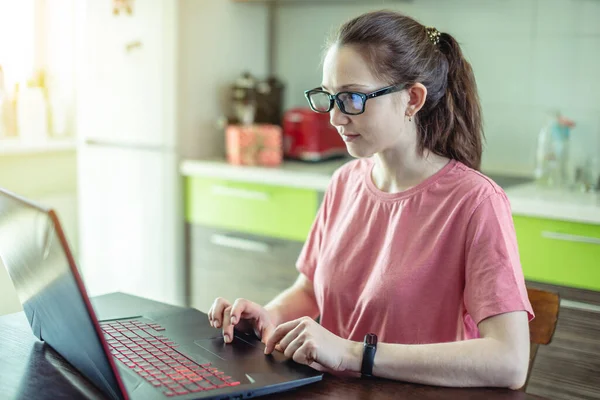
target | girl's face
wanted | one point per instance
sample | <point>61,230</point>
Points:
<point>383,125</point>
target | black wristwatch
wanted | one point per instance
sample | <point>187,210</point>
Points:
<point>369,349</point>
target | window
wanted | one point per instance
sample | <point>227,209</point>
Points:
<point>16,40</point>
<point>37,49</point>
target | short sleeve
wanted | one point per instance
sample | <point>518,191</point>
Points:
<point>494,282</point>
<point>313,246</point>
<point>309,256</point>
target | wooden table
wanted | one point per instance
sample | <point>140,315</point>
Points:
<point>30,369</point>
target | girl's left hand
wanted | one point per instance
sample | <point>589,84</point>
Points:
<point>307,342</point>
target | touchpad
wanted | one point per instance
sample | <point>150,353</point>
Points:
<point>235,350</point>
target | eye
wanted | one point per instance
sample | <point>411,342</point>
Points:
<point>353,102</point>
<point>319,101</point>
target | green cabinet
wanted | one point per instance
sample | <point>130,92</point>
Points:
<point>275,211</point>
<point>558,252</point>
<point>243,239</point>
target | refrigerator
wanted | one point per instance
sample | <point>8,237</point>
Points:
<point>129,190</point>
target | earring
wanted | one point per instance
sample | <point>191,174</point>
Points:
<point>409,118</point>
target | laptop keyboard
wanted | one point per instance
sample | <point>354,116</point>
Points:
<point>143,348</point>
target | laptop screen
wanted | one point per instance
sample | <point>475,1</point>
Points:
<point>35,253</point>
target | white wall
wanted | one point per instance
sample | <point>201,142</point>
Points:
<point>218,40</point>
<point>50,179</point>
<point>65,204</point>
<point>529,56</point>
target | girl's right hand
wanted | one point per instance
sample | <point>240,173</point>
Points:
<point>245,315</point>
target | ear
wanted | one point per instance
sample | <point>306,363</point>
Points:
<point>417,95</point>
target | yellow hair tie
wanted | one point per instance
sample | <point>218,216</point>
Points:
<point>433,34</point>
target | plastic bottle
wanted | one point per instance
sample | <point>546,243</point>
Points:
<point>32,114</point>
<point>553,152</point>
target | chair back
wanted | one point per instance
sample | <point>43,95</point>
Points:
<point>541,329</point>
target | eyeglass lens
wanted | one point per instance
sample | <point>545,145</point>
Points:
<point>352,103</point>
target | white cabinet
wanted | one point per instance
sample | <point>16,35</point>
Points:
<point>128,234</point>
<point>127,78</point>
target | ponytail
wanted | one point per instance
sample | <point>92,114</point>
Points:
<point>453,126</point>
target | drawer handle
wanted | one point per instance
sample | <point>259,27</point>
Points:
<point>239,243</point>
<point>570,238</point>
<point>239,193</point>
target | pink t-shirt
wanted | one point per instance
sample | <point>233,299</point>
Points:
<point>422,266</point>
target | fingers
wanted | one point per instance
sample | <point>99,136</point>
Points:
<point>301,349</point>
<point>241,307</point>
<point>227,327</point>
<point>305,354</point>
<point>233,314</point>
<point>215,314</point>
<point>226,316</point>
<point>266,332</point>
<point>279,333</point>
<point>290,348</point>
<point>295,335</point>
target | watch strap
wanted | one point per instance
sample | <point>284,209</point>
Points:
<point>369,350</point>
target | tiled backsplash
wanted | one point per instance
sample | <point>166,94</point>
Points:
<point>529,57</point>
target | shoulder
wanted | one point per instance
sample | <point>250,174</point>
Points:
<point>472,187</point>
<point>472,181</point>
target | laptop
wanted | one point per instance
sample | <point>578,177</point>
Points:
<point>176,354</point>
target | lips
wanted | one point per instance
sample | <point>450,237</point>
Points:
<point>349,137</point>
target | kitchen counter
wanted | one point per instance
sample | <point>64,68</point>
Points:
<point>532,200</point>
<point>298,174</point>
<point>525,197</point>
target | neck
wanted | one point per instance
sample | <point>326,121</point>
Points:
<point>397,170</point>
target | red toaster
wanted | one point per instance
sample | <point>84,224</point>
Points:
<point>309,136</point>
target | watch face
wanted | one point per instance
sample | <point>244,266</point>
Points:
<point>371,339</point>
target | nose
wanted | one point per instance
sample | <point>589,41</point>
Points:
<point>338,118</point>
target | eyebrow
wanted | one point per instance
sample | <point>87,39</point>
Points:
<point>347,86</point>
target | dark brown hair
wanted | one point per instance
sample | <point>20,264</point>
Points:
<point>399,50</point>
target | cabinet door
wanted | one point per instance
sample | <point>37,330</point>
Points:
<point>124,88</point>
<point>260,209</point>
<point>127,226</point>
<point>234,265</point>
<point>559,252</point>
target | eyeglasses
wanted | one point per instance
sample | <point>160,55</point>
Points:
<point>351,103</point>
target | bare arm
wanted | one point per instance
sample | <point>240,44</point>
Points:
<point>296,301</point>
<point>499,358</point>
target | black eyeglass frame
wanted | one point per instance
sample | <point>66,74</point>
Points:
<point>340,103</point>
